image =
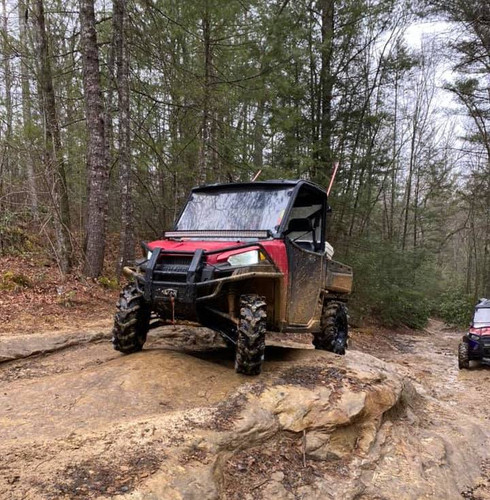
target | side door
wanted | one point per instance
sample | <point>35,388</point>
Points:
<point>305,246</point>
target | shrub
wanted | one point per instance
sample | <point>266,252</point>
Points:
<point>109,283</point>
<point>408,307</point>
<point>456,307</point>
<point>392,286</point>
<point>14,239</point>
<point>11,281</point>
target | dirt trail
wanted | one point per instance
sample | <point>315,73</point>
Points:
<point>453,401</point>
<point>86,422</point>
<point>428,358</point>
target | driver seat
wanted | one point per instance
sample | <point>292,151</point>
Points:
<point>302,226</point>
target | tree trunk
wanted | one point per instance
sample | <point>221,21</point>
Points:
<point>313,86</point>
<point>416,207</point>
<point>326,85</point>
<point>486,274</point>
<point>126,249</point>
<point>411,166</point>
<point>54,153</point>
<point>97,168</point>
<point>258,155</point>
<point>394,171</point>
<point>206,127</point>
<point>26,110</point>
<point>7,71</point>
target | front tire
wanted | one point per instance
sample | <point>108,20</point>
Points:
<point>334,328</point>
<point>463,356</point>
<point>250,347</point>
<point>131,321</point>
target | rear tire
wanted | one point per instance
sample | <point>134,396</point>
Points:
<point>250,347</point>
<point>131,321</point>
<point>463,356</point>
<point>334,326</point>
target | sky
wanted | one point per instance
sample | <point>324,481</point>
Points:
<point>440,33</point>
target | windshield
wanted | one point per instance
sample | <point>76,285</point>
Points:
<point>482,318</point>
<point>235,210</point>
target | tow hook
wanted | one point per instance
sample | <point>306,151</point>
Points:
<point>171,293</point>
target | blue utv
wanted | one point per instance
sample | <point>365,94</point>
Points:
<point>475,345</point>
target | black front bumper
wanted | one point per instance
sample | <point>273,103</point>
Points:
<point>479,350</point>
<point>181,284</point>
<point>177,277</point>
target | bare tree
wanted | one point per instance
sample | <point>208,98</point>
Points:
<point>27,122</point>
<point>54,153</point>
<point>207,146</point>
<point>97,168</point>
<point>126,248</point>
<point>326,84</point>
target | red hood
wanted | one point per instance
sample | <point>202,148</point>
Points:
<point>275,248</point>
<point>192,246</point>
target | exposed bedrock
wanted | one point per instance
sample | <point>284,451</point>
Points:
<point>177,423</point>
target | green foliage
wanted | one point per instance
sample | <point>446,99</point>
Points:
<point>456,307</point>
<point>259,85</point>
<point>14,240</point>
<point>108,283</point>
<point>10,281</point>
<point>392,286</point>
<point>407,306</point>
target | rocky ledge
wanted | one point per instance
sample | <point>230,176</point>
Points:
<point>176,423</point>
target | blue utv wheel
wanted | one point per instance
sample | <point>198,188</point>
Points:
<point>463,356</point>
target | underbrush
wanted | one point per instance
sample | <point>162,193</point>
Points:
<point>390,286</point>
<point>10,281</point>
<point>15,236</point>
<point>456,307</point>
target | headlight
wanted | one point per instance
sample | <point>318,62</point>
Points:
<point>244,259</point>
<point>148,255</point>
<point>473,336</point>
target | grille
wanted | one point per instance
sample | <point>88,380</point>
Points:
<point>486,347</point>
<point>172,268</point>
<point>179,260</point>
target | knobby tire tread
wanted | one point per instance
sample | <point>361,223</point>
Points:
<point>334,326</point>
<point>250,347</point>
<point>463,356</point>
<point>131,321</point>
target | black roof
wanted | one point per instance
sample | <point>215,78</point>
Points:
<point>273,183</point>
<point>483,304</point>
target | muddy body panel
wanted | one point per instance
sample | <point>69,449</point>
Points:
<point>339,278</point>
<point>306,276</point>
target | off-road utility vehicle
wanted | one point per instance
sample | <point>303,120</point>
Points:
<point>243,259</point>
<point>475,345</point>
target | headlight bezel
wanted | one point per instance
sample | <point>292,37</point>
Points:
<point>242,259</point>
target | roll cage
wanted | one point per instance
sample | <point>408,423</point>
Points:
<point>300,191</point>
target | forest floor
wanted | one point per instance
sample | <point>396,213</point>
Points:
<point>34,297</point>
<point>66,396</point>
